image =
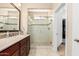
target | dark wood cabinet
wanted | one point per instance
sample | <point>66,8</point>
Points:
<point>16,53</point>
<point>23,47</point>
<point>28,45</point>
<point>20,48</point>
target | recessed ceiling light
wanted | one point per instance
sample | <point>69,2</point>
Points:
<point>39,10</point>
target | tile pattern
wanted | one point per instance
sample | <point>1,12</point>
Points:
<point>42,51</point>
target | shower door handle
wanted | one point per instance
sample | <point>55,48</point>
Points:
<point>76,40</point>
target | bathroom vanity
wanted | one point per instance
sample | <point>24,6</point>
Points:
<point>12,43</point>
<point>15,46</point>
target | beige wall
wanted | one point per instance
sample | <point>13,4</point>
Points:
<point>6,5</point>
<point>24,15</point>
<point>18,5</point>
<point>55,5</point>
<point>69,30</point>
<point>39,5</point>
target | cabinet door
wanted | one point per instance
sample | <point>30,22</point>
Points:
<point>16,53</point>
<point>23,47</point>
<point>27,45</point>
<point>23,50</point>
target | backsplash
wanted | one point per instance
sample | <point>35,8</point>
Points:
<point>13,33</point>
<point>4,35</point>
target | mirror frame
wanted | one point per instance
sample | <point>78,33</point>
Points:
<point>19,20</point>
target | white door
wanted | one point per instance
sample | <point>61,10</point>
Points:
<point>75,29</point>
<point>60,15</point>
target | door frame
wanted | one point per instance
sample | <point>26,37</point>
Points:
<point>59,7</point>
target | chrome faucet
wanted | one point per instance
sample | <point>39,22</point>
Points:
<point>7,33</point>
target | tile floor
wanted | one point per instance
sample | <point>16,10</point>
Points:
<point>42,51</point>
<point>62,50</point>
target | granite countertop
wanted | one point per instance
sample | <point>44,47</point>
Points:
<point>6,42</point>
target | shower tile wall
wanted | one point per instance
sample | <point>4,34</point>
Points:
<point>40,32</point>
<point>40,35</point>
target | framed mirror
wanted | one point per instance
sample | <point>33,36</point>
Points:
<point>9,17</point>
